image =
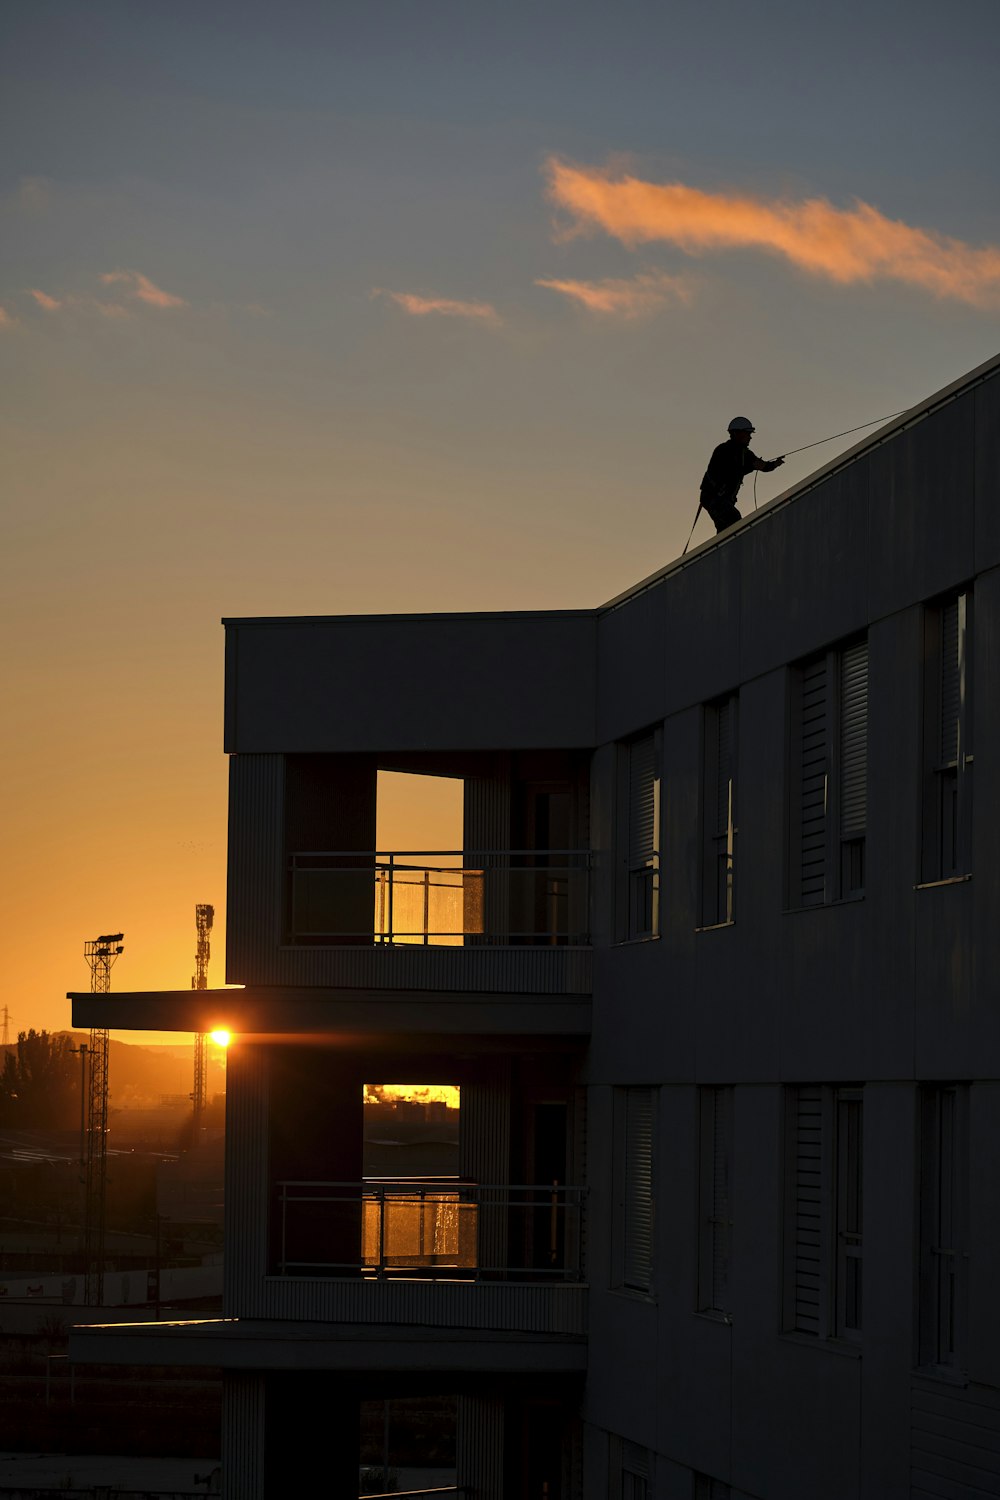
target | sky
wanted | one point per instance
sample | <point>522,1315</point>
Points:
<point>376,305</point>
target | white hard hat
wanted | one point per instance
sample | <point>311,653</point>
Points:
<point>741,424</point>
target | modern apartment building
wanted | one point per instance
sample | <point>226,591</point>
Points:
<point>716,970</point>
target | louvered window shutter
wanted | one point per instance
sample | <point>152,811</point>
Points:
<point>854,741</point>
<point>950,684</point>
<point>807,1210</point>
<point>812,782</point>
<point>643,836</point>
<point>638,1228</point>
<point>724,809</point>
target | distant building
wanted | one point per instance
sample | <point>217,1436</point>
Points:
<point>721,991</point>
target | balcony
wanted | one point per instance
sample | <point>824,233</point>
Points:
<point>449,898</point>
<point>429,1227</point>
<point>439,1253</point>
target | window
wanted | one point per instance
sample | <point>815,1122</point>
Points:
<point>715,1202</point>
<point>630,1470</point>
<point>944,1237</point>
<point>828,809</point>
<point>633,1165</point>
<point>719,812</point>
<point>706,1488</point>
<point>639,822</point>
<point>947,812</point>
<point>823,1203</point>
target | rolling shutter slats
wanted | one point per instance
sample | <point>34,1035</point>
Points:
<point>642,801</point>
<point>854,741</point>
<point>638,1258</point>
<point>807,1208</point>
<point>950,682</point>
<point>813,718</point>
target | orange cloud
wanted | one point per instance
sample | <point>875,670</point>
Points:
<point>420,307</point>
<point>843,245</point>
<point>627,297</point>
<point>50,304</point>
<point>143,289</point>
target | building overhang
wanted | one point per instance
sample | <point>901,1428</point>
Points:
<point>279,1010</point>
<point>252,1344</point>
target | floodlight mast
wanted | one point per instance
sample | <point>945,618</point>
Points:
<point>101,954</point>
<point>204,916</point>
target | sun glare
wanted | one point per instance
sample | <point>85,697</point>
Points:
<point>221,1038</point>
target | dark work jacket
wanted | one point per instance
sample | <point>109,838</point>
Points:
<point>727,469</point>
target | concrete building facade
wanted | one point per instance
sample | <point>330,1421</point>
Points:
<point>717,972</point>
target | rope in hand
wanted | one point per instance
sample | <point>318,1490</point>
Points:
<point>817,444</point>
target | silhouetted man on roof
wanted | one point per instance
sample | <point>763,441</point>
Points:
<point>727,468</point>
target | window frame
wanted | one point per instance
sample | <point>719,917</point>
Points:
<point>947,780</point>
<point>943,1193</point>
<point>639,881</point>
<point>718,864</point>
<point>835,1199</point>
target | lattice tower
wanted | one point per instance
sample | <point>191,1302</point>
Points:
<point>204,916</point>
<point>101,954</point>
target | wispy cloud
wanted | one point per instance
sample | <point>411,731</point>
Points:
<point>6,321</point>
<point>50,304</point>
<point>422,307</point>
<point>139,286</point>
<point>844,245</point>
<point>628,297</point>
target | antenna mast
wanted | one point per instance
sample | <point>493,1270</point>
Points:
<point>204,916</point>
<point>101,954</point>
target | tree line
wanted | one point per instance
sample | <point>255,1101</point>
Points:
<point>40,1083</point>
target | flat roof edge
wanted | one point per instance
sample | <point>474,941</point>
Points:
<point>875,439</point>
<point>378,619</point>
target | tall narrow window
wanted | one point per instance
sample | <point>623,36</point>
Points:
<point>947,821</point>
<point>719,851</point>
<point>715,1218</point>
<point>823,1224</point>
<point>630,1470</point>
<point>944,1237</point>
<point>828,767</point>
<point>633,1223</point>
<point>640,844</point>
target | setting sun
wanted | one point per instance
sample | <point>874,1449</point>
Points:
<point>221,1038</point>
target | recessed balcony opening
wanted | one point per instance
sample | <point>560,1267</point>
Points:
<point>408,1446</point>
<point>393,857</point>
<point>415,1220</point>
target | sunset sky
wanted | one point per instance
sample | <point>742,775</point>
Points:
<point>376,305</point>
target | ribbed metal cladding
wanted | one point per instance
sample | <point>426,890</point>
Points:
<point>854,740</point>
<point>479,1448</point>
<point>246,1177</point>
<point>479,970</point>
<point>501,1307</point>
<point>484,1152</point>
<point>243,1419</point>
<point>256,860</point>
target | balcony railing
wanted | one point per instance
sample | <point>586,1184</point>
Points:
<point>449,898</point>
<point>429,1227</point>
